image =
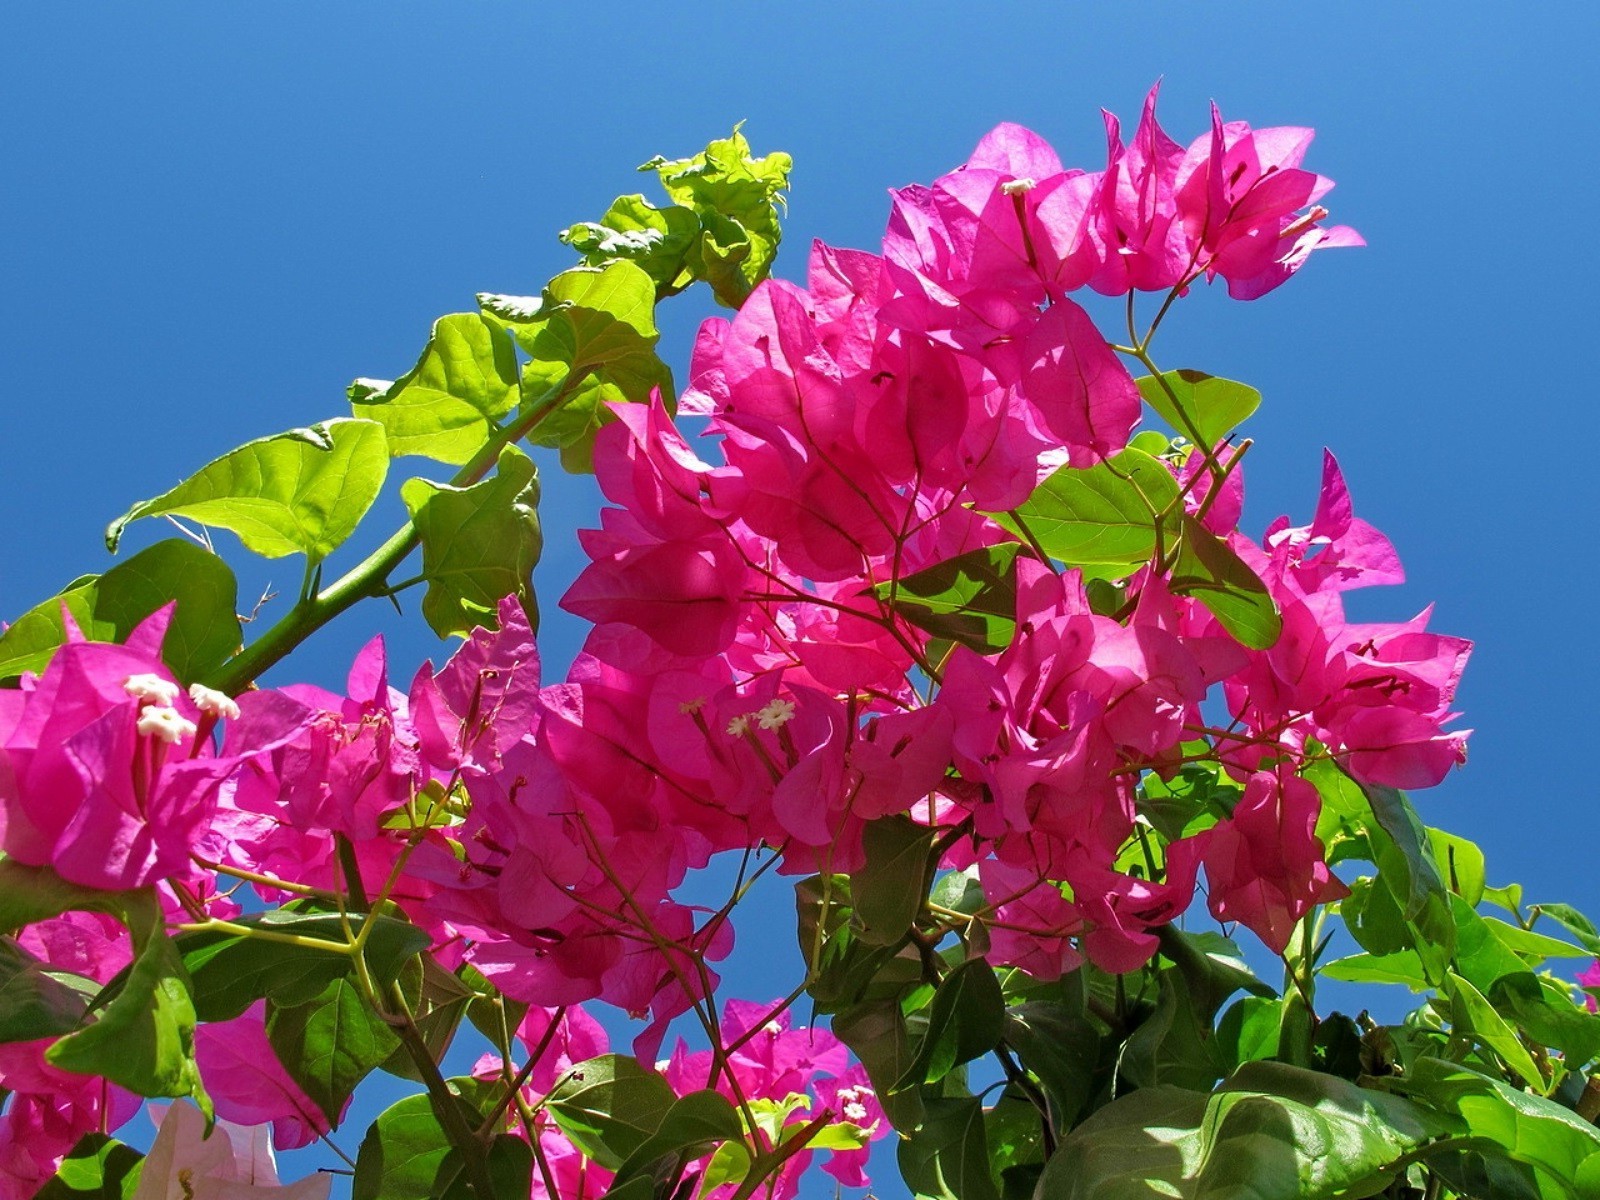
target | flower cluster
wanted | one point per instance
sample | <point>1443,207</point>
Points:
<point>755,681</point>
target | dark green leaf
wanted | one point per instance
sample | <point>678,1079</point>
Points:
<point>106,608</point>
<point>330,1044</point>
<point>30,894</point>
<point>889,890</point>
<point>36,1002</point>
<point>1214,406</point>
<point>300,492</point>
<point>693,1127</point>
<point>1104,514</point>
<point>737,198</point>
<point>1543,1010</point>
<point>1210,571</point>
<point>610,1106</point>
<point>948,1158</point>
<point>970,599</point>
<point>1061,1049</point>
<point>479,544</point>
<point>403,1156</point>
<point>231,972</point>
<point>1272,1132</point>
<point>447,405</point>
<point>875,1031</point>
<point>98,1168</point>
<point>1173,1045</point>
<point>966,1019</point>
<point>1529,1129</point>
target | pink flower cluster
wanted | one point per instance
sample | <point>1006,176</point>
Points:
<point>750,684</point>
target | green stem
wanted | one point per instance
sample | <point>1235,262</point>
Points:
<point>370,576</point>
<point>445,1104</point>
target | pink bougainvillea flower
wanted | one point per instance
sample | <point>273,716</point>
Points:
<point>248,1084</point>
<point>1265,864</point>
<point>107,773</point>
<point>1251,208</point>
<point>48,1111</point>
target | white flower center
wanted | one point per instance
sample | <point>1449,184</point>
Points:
<point>213,703</point>
<point>167,724</point>
<point>776,713</point>
<point>152,689</point>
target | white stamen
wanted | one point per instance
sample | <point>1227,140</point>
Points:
<point>1015,187</point>
<point>167,724</point>
<point>776,713</point>
<point>739,725</point>
<point>152,689</point>
<point>855,1112</point>
<point>213,703</point>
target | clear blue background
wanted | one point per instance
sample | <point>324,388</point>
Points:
<point>213,216</point>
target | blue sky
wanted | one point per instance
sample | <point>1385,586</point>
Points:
<point>212,217</point>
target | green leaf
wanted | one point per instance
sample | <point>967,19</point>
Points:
<point>971,599</point>
<point>1248,1030</point>
<point>657,240</point>
<point>403,1156</point>
<point>1543,1010</point>
<point>948,1158</point>
<point>36,1002</point>
<point>594,336</point>
<point>144,1038</point>
<point>479,544</point>
<point>1407,867</point>
<point>1531,945</point>
<point>330,1044</point>
<point>1473,1015</point>
<point>106,608</point>
<point>98,1168</point>
<point>889,890</point>
<point>1214,406</point>
<point>875,1031</point>
<point>1213,574</point>
<point>1061,1048</point>
<point>1401,967</point>
<point>1418,878</point>
<point>230,972</point>
<point>1529,1129</point>
<point>737,198</point>
<point>300,492</point>
<point>611,1106</point>
<point>693,1127</point>
<point>1461,864</point>
<point>1271,1132</point>
<point>446,406</point>
<point>966,1019</point>
<point>30,894</point>
<point>1574,922</point>
<point>1173,1045</point>
<point>1104,514</point>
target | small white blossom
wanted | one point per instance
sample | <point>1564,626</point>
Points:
<point>213,703</point>
<point>776,713</point>
<point>168,724</point>
<point>738,726</point>
<point>1015,187</point>
<point>150,688</point>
